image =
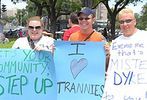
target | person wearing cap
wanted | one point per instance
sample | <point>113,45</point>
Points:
<point>86,18</point>
<point>73,24</point>
<point>35,39</point>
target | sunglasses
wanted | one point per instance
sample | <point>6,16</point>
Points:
<point>125,21</point>
<point>35,27</point>
<point>80,18</point>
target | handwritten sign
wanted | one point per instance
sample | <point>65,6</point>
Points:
<point>27,74</point>
<point>127,71</point>
<point>80,70</point>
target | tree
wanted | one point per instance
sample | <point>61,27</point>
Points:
<point>31,9</point>
<point>142,22</point>
<point>87,3</point>
<point>55,8</point>
<point>21,16</point>
<point>39,5</point>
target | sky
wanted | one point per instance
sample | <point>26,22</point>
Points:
<point>136,9</point>
<point>10,5</point>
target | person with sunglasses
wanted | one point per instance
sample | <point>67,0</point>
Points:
<point>86,18</point>
<point>127,54</point>
<point>35,39</point>
<point>127,23</point>
<point>128,30</point>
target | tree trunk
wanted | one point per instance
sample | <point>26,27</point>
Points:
<point>112,23</point>
<point>53,20</point>
<point>53,28</point>
<point>39,11</point>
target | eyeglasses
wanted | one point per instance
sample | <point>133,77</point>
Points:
<point>125,21</point>
<point>80,18</point>
<point>35,27</point>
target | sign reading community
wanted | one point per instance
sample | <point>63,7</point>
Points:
<point>26,74</point>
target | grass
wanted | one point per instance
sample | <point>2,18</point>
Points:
<point>9,44</point>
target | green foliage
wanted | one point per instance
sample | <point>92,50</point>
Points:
<point>31,8</point>
<point>9,19</point>
<point>21,16</point>
<point>67,6</point>
<point>74,6</point>
<point>55,8</point>
<point>142,22</point>
<point>95,3</point>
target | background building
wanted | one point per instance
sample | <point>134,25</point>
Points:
<point>101,12</point>
<point>101,17</point>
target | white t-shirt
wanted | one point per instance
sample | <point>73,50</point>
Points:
<point>139,35</point>
<point>45,42</point>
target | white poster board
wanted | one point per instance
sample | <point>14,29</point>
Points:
<point>127,72</point>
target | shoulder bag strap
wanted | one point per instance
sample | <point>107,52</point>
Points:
<point>88,36</point>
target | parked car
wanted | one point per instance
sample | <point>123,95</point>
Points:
<point>16,32</point>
